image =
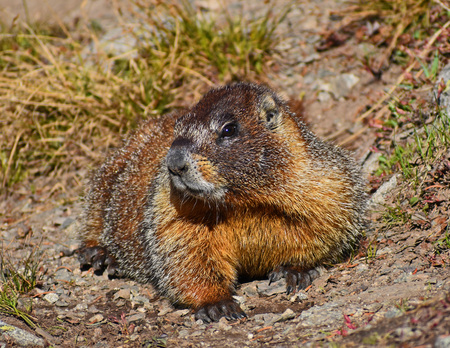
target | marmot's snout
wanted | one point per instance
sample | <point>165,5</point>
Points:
<point>185,171</point>
<point>177,160</point>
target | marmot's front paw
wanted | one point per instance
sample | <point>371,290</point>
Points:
<point>226,308</point>
<point>99,258</point>
<point>296,279</point>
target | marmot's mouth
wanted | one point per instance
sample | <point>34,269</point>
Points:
<point>186,186</point>
<point>202,189</point>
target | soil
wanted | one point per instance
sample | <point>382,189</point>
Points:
<point>395,292</point>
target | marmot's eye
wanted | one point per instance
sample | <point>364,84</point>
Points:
<point>229,130</point>
<point>270,115</point>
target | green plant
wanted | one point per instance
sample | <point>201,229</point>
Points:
<point>10,305</point>
<point>395,215</point>
<point>17,280</point>
<point>371,251</point>
<point>156,342</point>
<point>372,340</point>
<point>431,72</point>
<point>399,159</point>
<point>425,144</point>
<point>403,305</point>
<point>443,243</point>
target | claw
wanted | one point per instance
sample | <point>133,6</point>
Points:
<point>295,279</point>
<point>276,275</point>
<point>201,314</point>
<point>289,290</point>
<point>98,258</point>
<point>213,312</point>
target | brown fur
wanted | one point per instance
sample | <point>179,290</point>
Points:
<point>193,211</point>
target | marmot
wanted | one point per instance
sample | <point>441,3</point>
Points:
<point>235,186</point>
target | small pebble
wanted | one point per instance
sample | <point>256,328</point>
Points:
<point>96,319</point>
<point>51,297</point>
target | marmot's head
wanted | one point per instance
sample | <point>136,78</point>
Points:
<point>231,146</point>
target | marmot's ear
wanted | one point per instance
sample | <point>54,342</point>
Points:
<point>270,112</point>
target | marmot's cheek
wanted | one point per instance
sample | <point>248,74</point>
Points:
<point>208,172</point>
<point>198,178</point>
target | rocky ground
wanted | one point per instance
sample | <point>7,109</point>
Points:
<point>395,292</point>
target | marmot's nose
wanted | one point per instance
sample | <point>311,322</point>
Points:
<point>176,161</point>
<point>178,157</point>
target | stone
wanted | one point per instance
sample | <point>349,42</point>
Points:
<point>51,297</point>
<point>286,315</point>
<point>299,297</point>
<point>371,162</point>
<point>278,287</point>
<point>444,96</point>
<point>135,317</point>
<point>123,293</point>
<point>251,289</point>
<point>165,308</point>
<point>379,197</point>
<point>183,333</point>
<point>326,315</point>
<point>405,333</point>
<point>393,313</point>
<point>342,85</point>
<point>20,337</point>
<point>442,341</point>
<point>223,324</point>
<point>96,319</point>
<point>265,318</point>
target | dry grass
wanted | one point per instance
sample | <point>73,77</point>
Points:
<point>62,108</point>
<point>414,34</point>
<point>392,12</point>
<point>401,21</point>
